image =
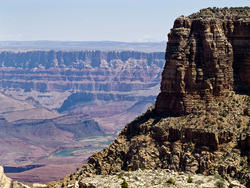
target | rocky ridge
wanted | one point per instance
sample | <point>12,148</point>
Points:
<point>161,178</point>
<point>201,143</point>
<point>140,178</point>
<point>207,53</point>
<point>205,86</point>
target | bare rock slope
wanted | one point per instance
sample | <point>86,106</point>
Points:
<point>205,85</point>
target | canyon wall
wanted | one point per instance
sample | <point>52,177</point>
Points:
<point>207,54</point>
<point>58,107</point>
<point>79,70</point>
<point>200,123</point>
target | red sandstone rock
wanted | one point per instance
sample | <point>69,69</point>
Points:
<point>207,53</point>
<point>202,62</point>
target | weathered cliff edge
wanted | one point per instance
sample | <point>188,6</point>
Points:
<point>200,123</point>
<point>79,71</point>
<point>207,53</point>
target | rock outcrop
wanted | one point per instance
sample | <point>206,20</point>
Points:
<point>202,143</point>
<point>155,178</point>
<point>5,182</point>
<point>200,123</point>
<point>207,54</point>
<point>197,143</point>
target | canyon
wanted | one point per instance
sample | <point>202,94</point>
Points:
<point>200,122</point>
<point>58,107</point>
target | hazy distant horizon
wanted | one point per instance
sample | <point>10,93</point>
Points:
<point>95,20</point>
<point>83,45</point>
<point>81,41</point>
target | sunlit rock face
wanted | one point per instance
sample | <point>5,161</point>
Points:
<point>80,70</point>
<point>207,54</point>
<point>204,93</point>
<point>5,182</point>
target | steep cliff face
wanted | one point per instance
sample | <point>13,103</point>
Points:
<point>79,70</point>
<point>207,54</point>
<point>201,142</point>
<point>53,79</point>
<point>205,95</point>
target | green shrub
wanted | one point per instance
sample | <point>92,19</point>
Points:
<point>238,125</point>
<point>124,184</point>
<point>120,175</point>
<point>206,120</point>
<point>220,119</point>
<point>190,179</point>
<point>199,114</point>
<point>241,163</point>
<point>224,114</point>
<point>171,181</point>
<point>220,127</point>
<point>71,176</point>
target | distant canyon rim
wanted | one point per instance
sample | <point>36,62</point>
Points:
<point>59,106</point>
<point>199,123</point>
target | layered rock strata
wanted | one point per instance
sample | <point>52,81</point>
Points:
<point>94,93</point>
<point>207,54</point>
<point>202,142</point>
<point>210,134</point>
<point>78,71</point>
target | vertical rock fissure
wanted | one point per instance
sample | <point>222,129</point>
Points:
<point>240,41</point>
